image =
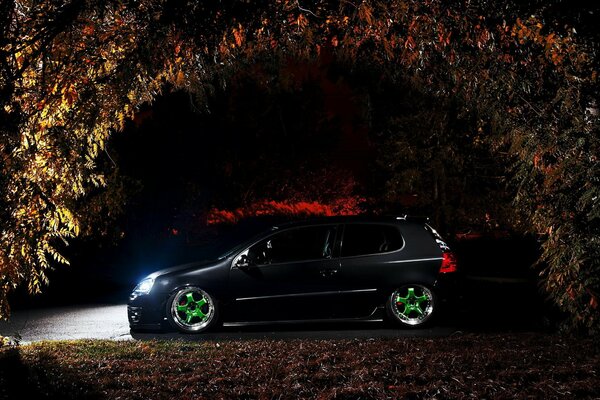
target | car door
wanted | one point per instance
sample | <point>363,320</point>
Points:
<point>366,251</point>
<point>290,275</point>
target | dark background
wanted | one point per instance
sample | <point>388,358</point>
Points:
<point>174,162</point>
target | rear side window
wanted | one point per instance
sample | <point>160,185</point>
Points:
<point>363,239</point>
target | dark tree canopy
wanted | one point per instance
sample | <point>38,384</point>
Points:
<point>511,82</point>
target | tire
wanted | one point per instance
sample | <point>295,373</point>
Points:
<point>192,310</point>
<point>412,305</point>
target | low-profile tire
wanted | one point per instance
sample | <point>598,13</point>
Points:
<point>192,310</point>
<point>412,305</point>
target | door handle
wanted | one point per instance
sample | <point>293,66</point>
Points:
<point>328,272</point>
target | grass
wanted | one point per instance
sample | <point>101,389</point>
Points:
<point>462,366</point>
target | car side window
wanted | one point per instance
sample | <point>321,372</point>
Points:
<point>307,243</point>
<point>364,239</point>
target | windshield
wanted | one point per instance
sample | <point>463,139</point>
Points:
<point>221,242</point>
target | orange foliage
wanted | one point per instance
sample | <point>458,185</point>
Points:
<point>340,206</point>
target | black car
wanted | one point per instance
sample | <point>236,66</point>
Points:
<point>340,268</point>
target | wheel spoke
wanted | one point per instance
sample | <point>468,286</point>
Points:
<point>201,302</point>
<point>421,299</point>
<point>190,298</point>
<point>200,314</point>
<point>406,309</point>
<point>417,308</point>
<point>189,317</point>
<point>181,308</point>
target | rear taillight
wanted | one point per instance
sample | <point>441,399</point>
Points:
<point>448,263</point>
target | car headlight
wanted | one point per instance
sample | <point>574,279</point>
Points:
<point>144,286</point>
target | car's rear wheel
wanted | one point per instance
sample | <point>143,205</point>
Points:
<point>411,305</point>
<point>192,310</point>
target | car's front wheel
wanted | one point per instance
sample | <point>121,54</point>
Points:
<point>191,310</point>
<point>411,305</point>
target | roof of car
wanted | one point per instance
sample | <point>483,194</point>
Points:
<point>352,219</point>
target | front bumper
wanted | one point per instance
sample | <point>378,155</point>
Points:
<point>146,312</point>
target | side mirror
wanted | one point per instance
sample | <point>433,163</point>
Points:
<point>243,262</point>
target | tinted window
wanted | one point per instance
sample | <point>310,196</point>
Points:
<point>309,243</point>
<point>361,239</point>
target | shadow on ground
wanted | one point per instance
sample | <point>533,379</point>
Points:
<point>42,378</point>
<point>314,331</point>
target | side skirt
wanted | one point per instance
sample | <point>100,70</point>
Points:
<point>375,316</point>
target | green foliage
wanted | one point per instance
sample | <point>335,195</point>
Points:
<point>518,90</point>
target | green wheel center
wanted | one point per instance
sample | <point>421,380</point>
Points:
<point>191,308</point>
<point>411,302</point>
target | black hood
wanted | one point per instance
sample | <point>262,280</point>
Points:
<point>182,267</point>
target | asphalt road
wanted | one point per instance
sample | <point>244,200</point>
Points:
<point>109,321</point>
<point>497,307</point>
<point>99,321</point>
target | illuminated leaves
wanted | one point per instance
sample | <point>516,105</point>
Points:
<point>301,21</point>
<point>365,13</point>
<point>339,206</point>
<point>74,72</point>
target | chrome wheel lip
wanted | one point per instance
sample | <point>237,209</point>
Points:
<point>427,312</point>
<point>194,327</point>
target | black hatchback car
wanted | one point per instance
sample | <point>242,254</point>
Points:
<point>340,268</point>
